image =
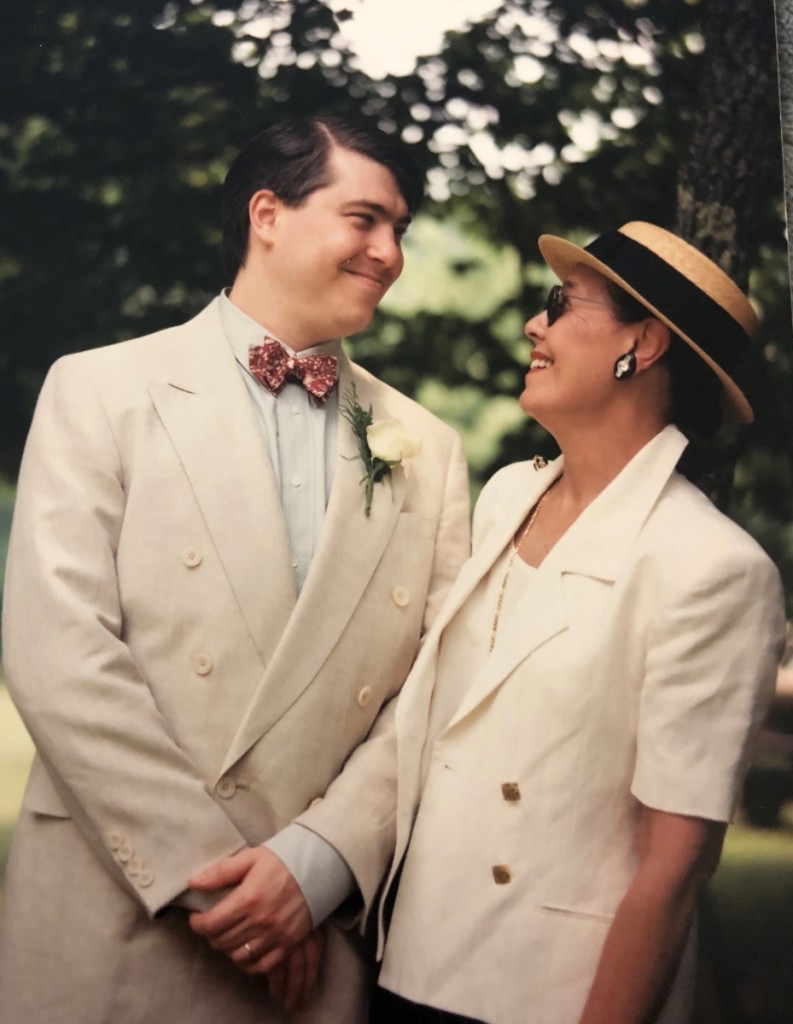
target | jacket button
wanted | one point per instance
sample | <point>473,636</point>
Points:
<point>401,596</point>
<point>124,852</point>
<point>501,874</point>
<point>510,791</point>
<point>114,839</point>
<point>227,787</point>
<point>134,865</point>
<point>192,557</point>
<point>145,878</point>
<point>365,696</point>
<point>202,663</point>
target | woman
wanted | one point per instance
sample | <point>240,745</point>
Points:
<point>576,726</point>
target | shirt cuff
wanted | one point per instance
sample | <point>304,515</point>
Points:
<point>318,868</point>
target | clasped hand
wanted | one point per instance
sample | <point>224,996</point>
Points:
<point>263,925</point>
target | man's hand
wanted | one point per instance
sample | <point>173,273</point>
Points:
<point>264,916</point>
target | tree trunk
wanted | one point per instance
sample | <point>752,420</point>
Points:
<point>784,28</point>
<point>735,137</point>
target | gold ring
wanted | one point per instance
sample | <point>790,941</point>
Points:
<point>247,947</point>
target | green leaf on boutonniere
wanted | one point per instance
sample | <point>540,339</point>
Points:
<point>390,440</point>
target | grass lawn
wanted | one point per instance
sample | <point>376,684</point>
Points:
<point>747,929</point>
<point>747,914</point>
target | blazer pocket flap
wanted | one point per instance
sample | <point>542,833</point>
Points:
<point>41,796</point>
<point>579,911</point>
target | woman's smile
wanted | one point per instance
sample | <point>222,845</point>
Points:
<point>539,361</point>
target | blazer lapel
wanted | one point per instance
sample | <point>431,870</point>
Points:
<point>208,415</point>
<point>412,711</point>
<point>602,538</point>
<point>541,614</point>
<point>596,545</point>
<point>350,547</point>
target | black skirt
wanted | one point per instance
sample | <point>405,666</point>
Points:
<point>388,1008</point>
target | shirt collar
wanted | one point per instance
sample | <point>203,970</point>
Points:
<point>243,331</point>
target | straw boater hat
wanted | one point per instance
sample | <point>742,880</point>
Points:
<point>677,284</point>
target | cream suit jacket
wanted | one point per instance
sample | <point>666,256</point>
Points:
<point>634,668</point>
<point>182,701</point>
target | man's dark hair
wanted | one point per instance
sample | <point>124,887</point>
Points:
<point>291,158</point>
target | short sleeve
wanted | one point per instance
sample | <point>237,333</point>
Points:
<point>710,674</point>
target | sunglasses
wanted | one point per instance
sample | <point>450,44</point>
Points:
<point>557,300</point>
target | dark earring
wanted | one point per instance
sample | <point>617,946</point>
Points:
<point>625,366</point>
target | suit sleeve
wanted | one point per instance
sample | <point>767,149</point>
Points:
<point>358,813</point>
<point>710,674</point>
<point>106,747</point>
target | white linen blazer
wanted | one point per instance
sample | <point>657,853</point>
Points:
<point>183,701</point>
<point>634,669</point>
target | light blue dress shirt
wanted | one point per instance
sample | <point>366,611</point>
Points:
<point>300,435</point>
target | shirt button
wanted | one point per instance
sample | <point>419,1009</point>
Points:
<point>510,791</point>
<point>365,696</point>
<point>501,874</point>
<point>227,787</point>
<point>202,663</point>
<point>294,410</point>
<point>295,481</point>
<point>401,596</point>
<point>192,557</point>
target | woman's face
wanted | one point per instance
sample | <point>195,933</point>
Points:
<point>571,375</point>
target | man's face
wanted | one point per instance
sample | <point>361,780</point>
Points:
<point>333,258</point>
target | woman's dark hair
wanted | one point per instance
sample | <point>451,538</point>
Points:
<point>291,159</point>
<point>695,396</point>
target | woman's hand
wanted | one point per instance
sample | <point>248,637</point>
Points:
<point>643,947</point>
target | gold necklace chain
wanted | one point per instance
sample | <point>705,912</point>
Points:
<point>515,551</point>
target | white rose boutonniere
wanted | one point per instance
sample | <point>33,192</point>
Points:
<point>389,441</point>
<point>381,445</point>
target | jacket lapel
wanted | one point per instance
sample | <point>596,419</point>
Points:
<point>412,713</point>
<point>597,545</point>
<point>207,412</point>
<point>350,547</point>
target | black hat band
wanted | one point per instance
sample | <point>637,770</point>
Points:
<point>696,314</point>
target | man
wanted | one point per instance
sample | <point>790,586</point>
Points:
<point>204,617</point>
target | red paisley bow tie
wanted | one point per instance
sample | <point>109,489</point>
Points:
<point>271,364</point>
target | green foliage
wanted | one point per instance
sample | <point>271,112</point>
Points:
<point>746,928</point>
<point>118,120</point>
<point>6,509</point>
<point>117,123</point>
